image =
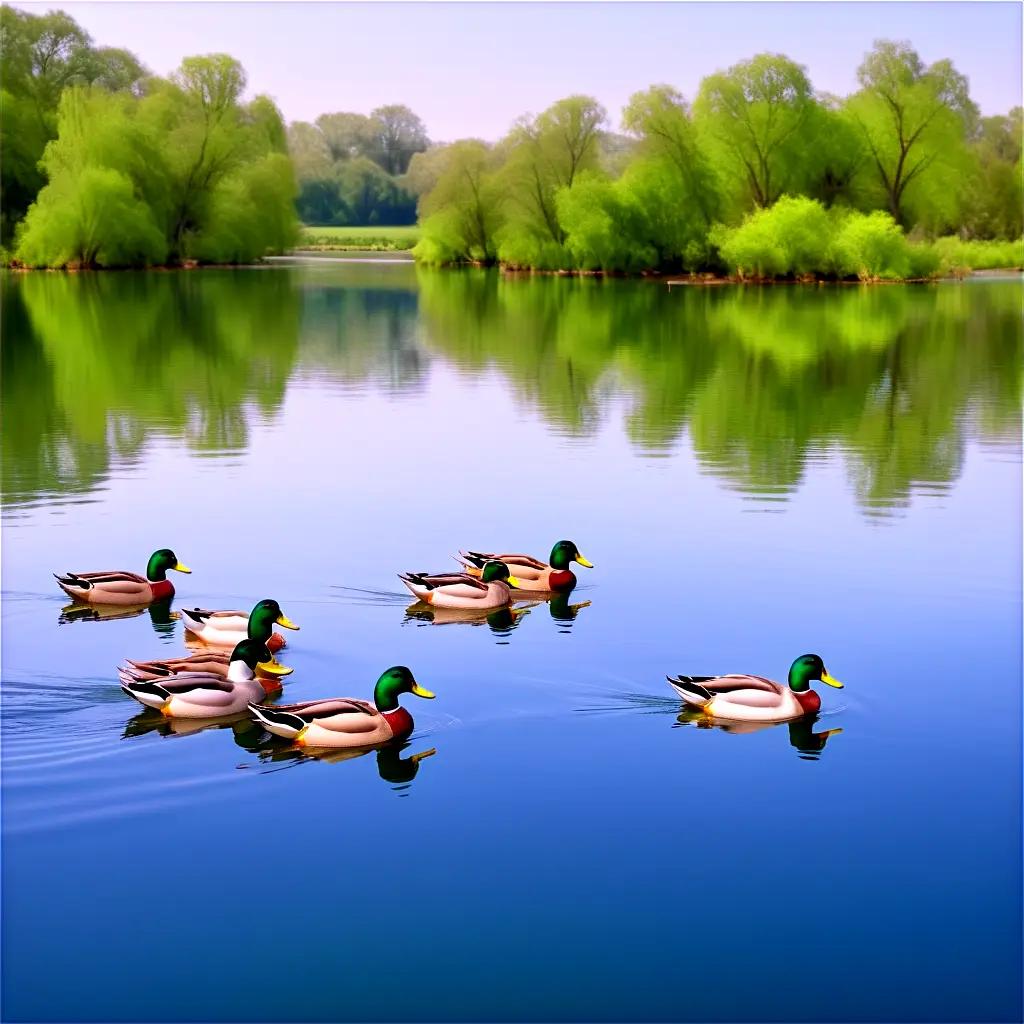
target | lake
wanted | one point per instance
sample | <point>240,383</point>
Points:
<point>755,473</point>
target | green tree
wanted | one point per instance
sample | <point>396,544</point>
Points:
<point>992,203</point>
<point>183,172</point>
<point>463,211</point>
<point>397,134</point>
<point>347,135</point>
<point>754,120</point>
<point>914,121</point>
<point>544,154</point>
<point>40,56</point>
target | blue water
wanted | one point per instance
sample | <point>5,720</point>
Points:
<point>755,474</point>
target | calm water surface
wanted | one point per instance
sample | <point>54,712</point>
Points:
<point>754,473</point>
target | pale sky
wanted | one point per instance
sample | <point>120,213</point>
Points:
<point>469,69</point>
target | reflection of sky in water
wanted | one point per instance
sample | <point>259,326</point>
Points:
<point>570,831</point>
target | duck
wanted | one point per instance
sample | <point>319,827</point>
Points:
<point>532,573</point>
<point>216,661</point>
<point>228,628</point>
<point>493,588</point>
<point>122,587</point>
<point>346,721</point>
<point>746,698</point>
<point>208,694</point>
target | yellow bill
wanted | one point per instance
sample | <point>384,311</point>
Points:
<point>274,668</point>
<point>831,681</point>
<point>178,567</point>
<point>283,620</point>
<point>513,582</point>
<point>585,562</point>
<point>421,691</point>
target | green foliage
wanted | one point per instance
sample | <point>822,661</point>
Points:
<point>914,122</point>
<point>183,172</point>
<point>872,247</point>
<point>41,56</point>
<point>790,238</point>
<point>603,225</point>
<point>390,238</point>
<point>756,120</point>
<point>349,166</point>
<point>798,237</point>
<point>955,253</point>
<point>992,201</point>
<point>87,219</point>
<point>542,155</point>
<point>464,210</point>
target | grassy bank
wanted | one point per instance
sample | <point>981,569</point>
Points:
<point>371,239</point>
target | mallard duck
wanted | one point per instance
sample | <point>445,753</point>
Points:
<point>741,698</point>
<point>207,694</point>
<point>345,721</point>
<point>217,662</point>
<point>460,590</point>
<point>124,587</point>
<point>530,572</point>
<point>225,629</point>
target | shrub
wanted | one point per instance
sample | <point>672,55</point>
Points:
<point>953,252</point>
<point>790,238</point>
<point>871,247</point>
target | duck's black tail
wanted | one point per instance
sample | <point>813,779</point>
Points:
<point>690,689</point>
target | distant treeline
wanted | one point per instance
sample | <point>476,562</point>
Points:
<point>760,176</point>
<point>350,167</point>
<point>105,164</point>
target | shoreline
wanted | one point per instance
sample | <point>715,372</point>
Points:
<point>706,280</point>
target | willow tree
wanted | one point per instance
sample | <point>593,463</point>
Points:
<point>103,203</point>
<point>184,172</point>
<point>544,154</point>
<point>914,122</point>
<point>463,211</point>
<point>40,57</point>
<point>755,120</point>
<point>670,178</point>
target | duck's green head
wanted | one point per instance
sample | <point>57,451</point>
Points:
<point>809,668</point>
<point>254,654</point>
<point>392,684</point>
<point>564,553</point>
<point>160,561</point>
<point>264,617</point>
<point>497,572</point>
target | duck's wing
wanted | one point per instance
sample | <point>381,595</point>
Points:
<point>215,662</point>
<point>113,582</point>
<point>479,559</point>
<point>744,689</point>
<point>339,714</point>
<point>198,688</point>
<point>433,581</point>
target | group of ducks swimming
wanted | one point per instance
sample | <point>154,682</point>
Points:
<point>215,683</point>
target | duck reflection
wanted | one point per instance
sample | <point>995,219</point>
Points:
<point>562,611</point>
<point>392,767</point>
<point>808,744</point>
<point>160,614</point>
<point>151,721</point>
<point>501,621</point>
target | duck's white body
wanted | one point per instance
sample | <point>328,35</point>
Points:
<point>457,590</point>
<point>200,694</point>
<point>745,698</point>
